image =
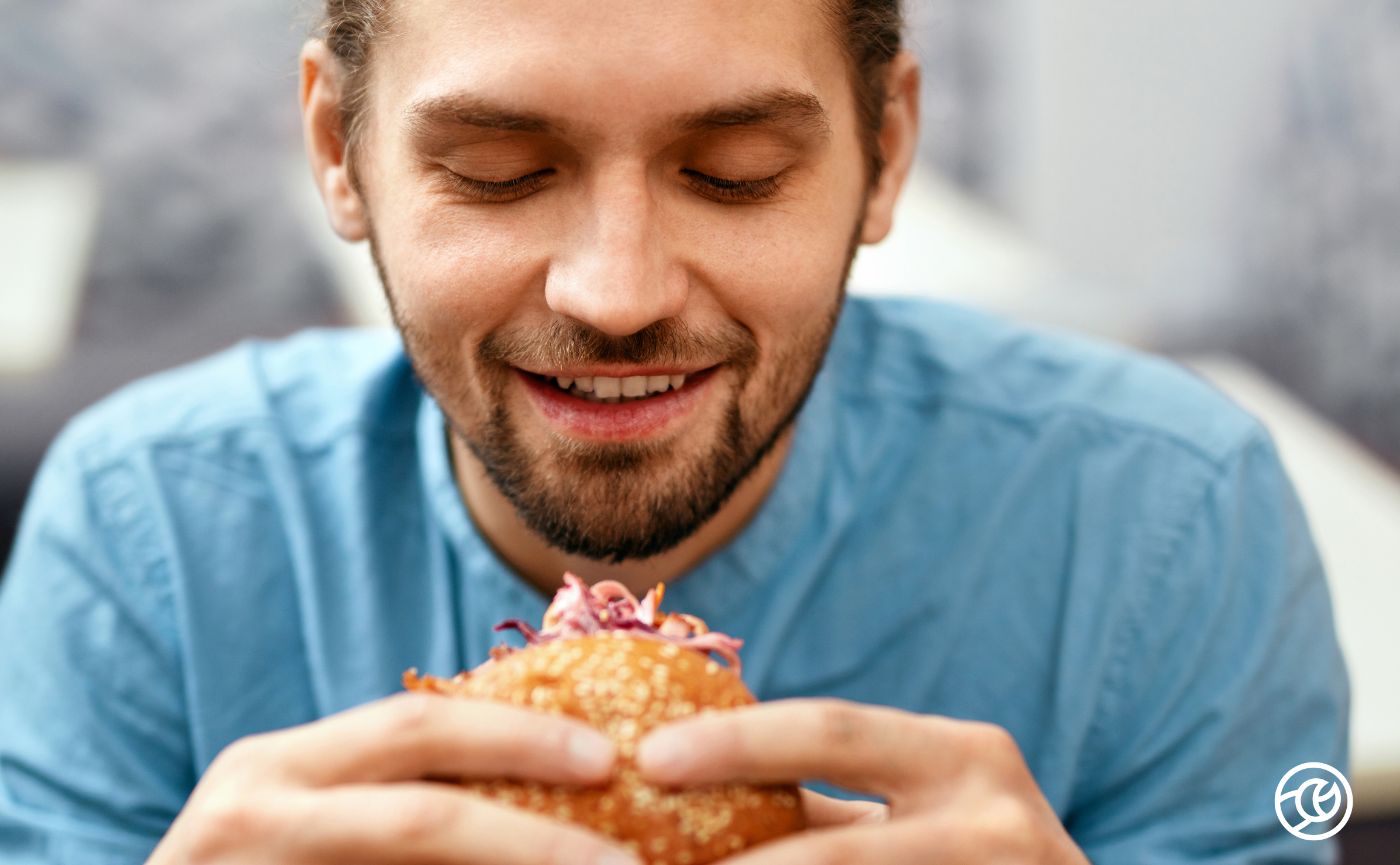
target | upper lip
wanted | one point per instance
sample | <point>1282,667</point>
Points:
<point>616,371</point>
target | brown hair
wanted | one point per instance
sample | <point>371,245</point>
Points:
<point>871,30</point>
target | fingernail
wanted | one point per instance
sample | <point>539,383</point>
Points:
<point>662,752</point>
<point>591,753</point>
<point>616,857</point>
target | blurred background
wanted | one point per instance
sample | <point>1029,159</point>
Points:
<point>1215,181</point>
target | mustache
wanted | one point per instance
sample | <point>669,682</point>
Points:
<point>669,342</point>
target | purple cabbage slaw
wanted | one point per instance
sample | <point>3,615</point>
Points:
<point>578,610</point>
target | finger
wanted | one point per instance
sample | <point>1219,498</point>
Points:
<point>414,736</point>
<point>413,823</point>
<point>824,811</point>
<point>896,843</point>
<point>992,833</point>
<point>868,749</point>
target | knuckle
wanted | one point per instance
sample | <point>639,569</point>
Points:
<point>841,724</point>
<point>1003,824</point>
<point>239,754</point>
<point>408,714</point>
<point>1010,819</point>
<point>992,737</point>
<point>550,741</point>
<point>425,816</point>
<point>995,748</point>
<point>226,822</point>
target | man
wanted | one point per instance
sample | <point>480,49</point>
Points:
<point>1065,596</point>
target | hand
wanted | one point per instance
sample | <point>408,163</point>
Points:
<point>353,787</point>
<point>958,791</point>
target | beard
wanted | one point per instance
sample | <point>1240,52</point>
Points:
<point>616,501</point>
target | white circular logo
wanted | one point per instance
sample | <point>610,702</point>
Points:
<point>1320,795</point>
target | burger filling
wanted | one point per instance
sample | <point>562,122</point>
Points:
<point>578,610</point>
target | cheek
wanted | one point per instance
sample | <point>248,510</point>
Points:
<point>452,271</point>
<point>779,269</point>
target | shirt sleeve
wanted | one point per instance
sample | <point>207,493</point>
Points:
<point>1230,675</point>
<point>94,755</point>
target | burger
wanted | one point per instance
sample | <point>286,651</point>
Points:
<point>624,667</point>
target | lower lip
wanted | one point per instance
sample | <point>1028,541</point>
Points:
<point>620,421</point>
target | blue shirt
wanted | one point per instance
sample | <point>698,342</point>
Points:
<point>1090,548</point>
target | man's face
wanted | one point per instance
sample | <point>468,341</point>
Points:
<point>620,194</point>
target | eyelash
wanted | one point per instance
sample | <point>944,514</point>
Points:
<point>499,191</point>
<point>719,189</point>
<point>737,191</point>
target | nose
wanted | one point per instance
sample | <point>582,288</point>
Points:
<point>614,273</point>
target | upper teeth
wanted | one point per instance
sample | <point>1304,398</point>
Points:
<point>606,387</point>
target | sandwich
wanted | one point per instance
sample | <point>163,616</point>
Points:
<point>624,667</point>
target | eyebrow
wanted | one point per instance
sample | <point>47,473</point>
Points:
<point>792,109</point>
<point>460,109</point>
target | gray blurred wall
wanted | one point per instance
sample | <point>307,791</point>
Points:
<point>187,112</point>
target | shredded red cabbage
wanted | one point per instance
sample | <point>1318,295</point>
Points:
<point>578,610</point>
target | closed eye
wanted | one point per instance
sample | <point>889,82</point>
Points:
<point>720,189</point>
<point>500,191</point>
<point>724,189</point>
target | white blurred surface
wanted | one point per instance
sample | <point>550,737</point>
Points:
<point>1353,503</point>
<point>947,244</point>
<point>1130,132</point>
<point>950,246</point>
<point>47,213</point>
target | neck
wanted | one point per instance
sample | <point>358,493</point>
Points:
<point>543,565</point>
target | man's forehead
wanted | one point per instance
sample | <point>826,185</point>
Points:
<point>546,66</point>
<point>615,23</point>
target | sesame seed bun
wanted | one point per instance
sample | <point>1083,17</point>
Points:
<point>625,685</point>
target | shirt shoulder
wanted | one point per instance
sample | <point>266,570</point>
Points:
<point>307,390</point>
<point>939,357</point>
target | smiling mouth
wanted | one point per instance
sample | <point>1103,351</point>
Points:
<point>632,388</point>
